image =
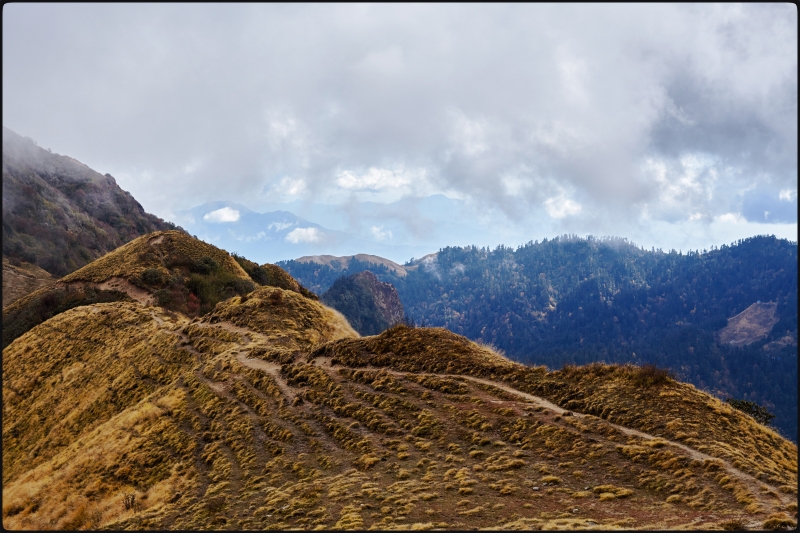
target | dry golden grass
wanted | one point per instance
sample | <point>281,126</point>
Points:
<point>151,251</point>
<point>114,401</point>
<point>286,318</point>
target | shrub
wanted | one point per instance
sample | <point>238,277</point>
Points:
<point>206,265</point>
<point>650,375</point>
<point>760,414</point>
<point>151,276</point>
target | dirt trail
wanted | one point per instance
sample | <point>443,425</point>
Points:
<point>273,369</point>
<point>753,485</point>
<point>115,284</point>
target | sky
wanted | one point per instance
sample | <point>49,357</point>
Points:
<point>673,125</point>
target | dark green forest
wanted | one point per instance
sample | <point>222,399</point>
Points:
<point>571,300</point>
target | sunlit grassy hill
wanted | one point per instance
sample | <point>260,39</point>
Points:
<point>269,412</point>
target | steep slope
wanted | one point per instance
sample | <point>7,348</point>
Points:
<point>270,412</point>
<point>21,278</point>
<point>59,214</point>
<point>751,325</point>
<point>369,305</point>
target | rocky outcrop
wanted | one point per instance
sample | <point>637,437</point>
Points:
<point>369,305</point>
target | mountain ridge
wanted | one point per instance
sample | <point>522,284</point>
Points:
<point>269,411</point>
<point>574,301</point>
<point>59,214</point>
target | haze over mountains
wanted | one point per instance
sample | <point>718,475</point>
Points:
<point>58,213</point>
<point>399,231</point>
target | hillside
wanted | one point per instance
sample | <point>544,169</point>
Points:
<point>577,301</point>
<point>59,214</point>
<point>369,305</point>
<point>269,412</point>
<point>751,325</point>
<point>21,278</point>
<point>168,268</point>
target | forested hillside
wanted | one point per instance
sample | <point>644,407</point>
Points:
<point>571,300</point>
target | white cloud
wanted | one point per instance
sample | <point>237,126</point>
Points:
<point>374,179</point>
<point>561,206</point>
<point>226,214</point>
<point>735,218</point>
<point>280,226</point>
<point>788,195</point>
<point>299,235</point>
<point>292,186</point>
<point>379,234</point>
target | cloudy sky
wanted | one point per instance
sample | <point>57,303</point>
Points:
<point>672,125</point>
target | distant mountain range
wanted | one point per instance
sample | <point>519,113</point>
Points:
<point>279,235</point>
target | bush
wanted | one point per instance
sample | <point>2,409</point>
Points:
<point>650,375</point>
<point>151,276</point>
<point>206,266</point>
<point>760,414</point>
<point>163,297</point>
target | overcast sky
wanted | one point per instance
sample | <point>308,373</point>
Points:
<point>672,125</point>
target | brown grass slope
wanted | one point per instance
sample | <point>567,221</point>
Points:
<point>161,250</point>
<point>270,413</point>
<point>171,258</point>
<point>21,278</point>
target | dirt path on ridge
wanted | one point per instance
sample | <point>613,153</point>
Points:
<point>752,484</point>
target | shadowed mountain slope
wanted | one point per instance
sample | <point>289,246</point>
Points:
<point>269,412</point>
<point>369,305</point>
<point>59,214</point>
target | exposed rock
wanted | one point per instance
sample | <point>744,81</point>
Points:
<point>749,326</point>
<point>369,305</point>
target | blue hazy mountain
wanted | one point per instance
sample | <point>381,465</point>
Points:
<point>277,235</point>
<point>430,222</point>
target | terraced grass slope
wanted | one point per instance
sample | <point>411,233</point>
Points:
<point>269,412</point>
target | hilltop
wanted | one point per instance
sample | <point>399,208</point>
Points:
<point>60,214</point>
<point>268,411</point>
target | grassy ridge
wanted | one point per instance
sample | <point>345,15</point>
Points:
<point>269,412</point>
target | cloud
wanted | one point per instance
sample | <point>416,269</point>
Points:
<point>305,235</point>
<point>561,207</point>
<point>373,179</point>
<point>280,226</point>
<point>770,206</point>
<point>663,110</point>
<point>788,195</point>
<point>379,234</point>
<point>226,214</point>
